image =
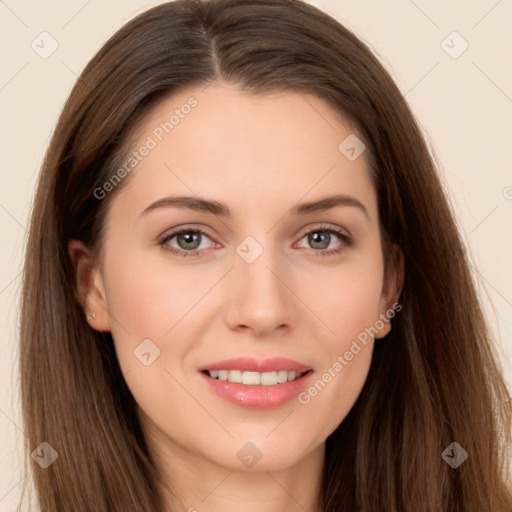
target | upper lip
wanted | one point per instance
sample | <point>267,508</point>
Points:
<point>249,364</point>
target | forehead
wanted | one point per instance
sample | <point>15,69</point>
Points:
<point>224,143</point>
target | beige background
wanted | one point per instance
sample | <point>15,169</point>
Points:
<point>464,105</point>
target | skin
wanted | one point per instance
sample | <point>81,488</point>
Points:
<point>260,155</point>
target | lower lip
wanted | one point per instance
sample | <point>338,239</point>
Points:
<point>258,397</point>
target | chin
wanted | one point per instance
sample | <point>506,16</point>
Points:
<point>262,452</point>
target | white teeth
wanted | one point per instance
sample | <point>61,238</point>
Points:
<point>252,378</point>
<point>255,378</point>
<point>282,376</point>
<point>235,376</point>
<point>269,379</point>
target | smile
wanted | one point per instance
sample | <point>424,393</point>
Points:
<point>255,378</point>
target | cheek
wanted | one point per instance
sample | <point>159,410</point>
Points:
<point>345,356</point>
<point>148,300</point>
<point>331,395</point>
<point>348,304</point>
<point>145,306</point>
<point>347,301</point>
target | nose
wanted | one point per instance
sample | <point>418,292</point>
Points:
<point>261,297</point>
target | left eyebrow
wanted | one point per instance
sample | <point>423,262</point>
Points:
<point>222,209</point>
<point>328,203</point>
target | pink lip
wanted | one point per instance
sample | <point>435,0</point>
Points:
<point>249,364</point>
<point>258,397</point>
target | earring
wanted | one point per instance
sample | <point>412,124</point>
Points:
<point>91,315</point>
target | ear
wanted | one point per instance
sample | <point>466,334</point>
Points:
<point>89,290</point>
<point>391,289</point>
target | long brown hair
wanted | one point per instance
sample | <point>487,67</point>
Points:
<point>433,380</point>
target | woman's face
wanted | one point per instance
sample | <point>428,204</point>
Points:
<point>245,279</point>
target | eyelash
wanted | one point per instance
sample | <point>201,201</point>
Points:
<point>347,241</point>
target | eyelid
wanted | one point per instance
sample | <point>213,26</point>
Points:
<point>326,227</point>
<point>346,239</point>
<point>187,227</point>
<point>170,234</point>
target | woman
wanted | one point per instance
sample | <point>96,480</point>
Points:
<point>251,136</point>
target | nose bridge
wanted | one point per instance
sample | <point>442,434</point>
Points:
<point>259,298</point>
